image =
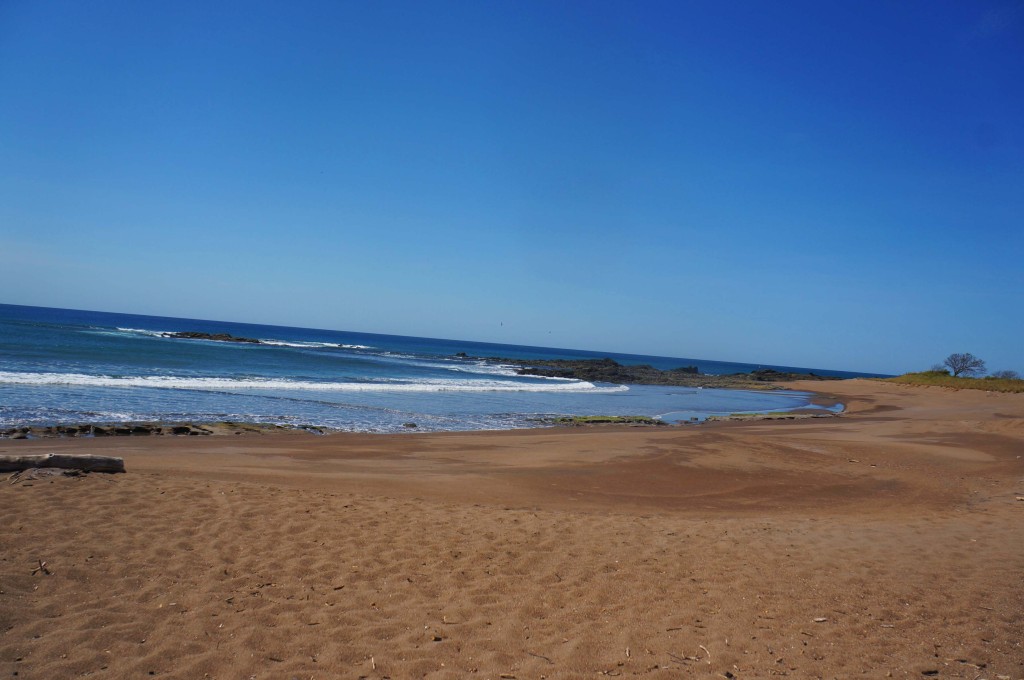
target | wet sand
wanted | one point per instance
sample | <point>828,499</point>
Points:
<point>886,541</point>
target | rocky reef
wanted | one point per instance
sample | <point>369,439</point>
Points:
<point>610,371</point>
<point>136,429</point>
<point>220,337</point>
<point>585,421</point>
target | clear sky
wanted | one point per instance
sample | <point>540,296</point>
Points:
<point>826,184</point>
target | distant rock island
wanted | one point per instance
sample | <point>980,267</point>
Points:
<point>221,337</point>
<point>610,371</point>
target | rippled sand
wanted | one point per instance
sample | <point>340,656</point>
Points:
<point>889,540</point>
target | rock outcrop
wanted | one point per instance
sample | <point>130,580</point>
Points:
<point>610,371</point>
<point>220,337</point>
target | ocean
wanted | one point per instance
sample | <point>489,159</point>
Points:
<point>60,366</point>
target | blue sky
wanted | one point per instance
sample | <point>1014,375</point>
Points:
<point>836,185</point>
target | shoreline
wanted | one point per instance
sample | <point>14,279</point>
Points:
<point>883,542</point>
<point>819,405</point>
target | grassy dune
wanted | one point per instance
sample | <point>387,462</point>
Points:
<point>943,379</point>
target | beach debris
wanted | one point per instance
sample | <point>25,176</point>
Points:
<point>541,656</point>
<point>42,568</point>
<point>706,652</point>
<point>820,619</point>
<point>42,473</point>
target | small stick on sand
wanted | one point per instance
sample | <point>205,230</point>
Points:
<point>706,652</point>
<point>541,656</point>
<point>41,568</point>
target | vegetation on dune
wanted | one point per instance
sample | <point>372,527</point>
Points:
<point>957,371</point>
<point>944,379</point>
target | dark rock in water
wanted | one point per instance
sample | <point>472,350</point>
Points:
<point>603,370</point>
<point>140,429</point>
<point>220,337</point>
<point>767,374</point>
<point>610,371</point>
<point>409,425</point>
<point>461,355</point>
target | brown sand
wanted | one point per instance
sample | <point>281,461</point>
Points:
<point>887,541</point>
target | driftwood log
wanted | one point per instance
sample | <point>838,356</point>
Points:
<point>62,460</point>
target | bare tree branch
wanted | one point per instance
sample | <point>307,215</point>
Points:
<point>964,364</point>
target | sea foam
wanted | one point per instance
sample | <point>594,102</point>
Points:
<point>263,341</point>
<point>227,384</point>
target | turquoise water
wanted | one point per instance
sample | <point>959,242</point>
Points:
<point>67,366</point>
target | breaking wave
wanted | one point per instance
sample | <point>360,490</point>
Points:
<point>263,341</point>
<point>230,384</point>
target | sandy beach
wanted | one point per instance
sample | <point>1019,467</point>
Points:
<point>888,542</point>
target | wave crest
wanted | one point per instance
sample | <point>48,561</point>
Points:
<point>263,341</point>
<point>227,384</point>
